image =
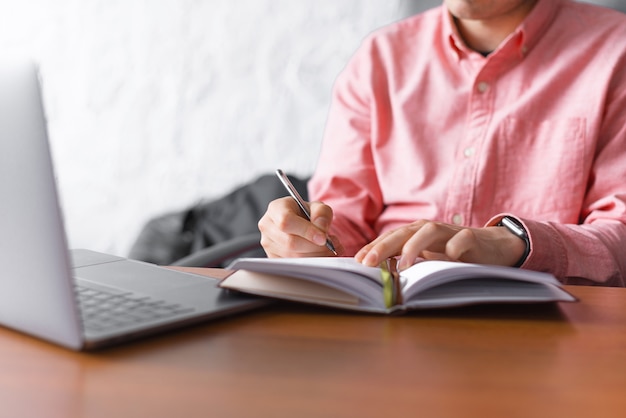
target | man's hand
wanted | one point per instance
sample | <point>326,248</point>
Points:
<point>286,233</point>
<point>439,241</point>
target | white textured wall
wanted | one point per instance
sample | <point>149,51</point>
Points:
<point>156,104</point>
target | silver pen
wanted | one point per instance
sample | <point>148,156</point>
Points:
<point>300,201</point>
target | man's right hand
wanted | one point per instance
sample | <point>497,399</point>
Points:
<point>285,232</point>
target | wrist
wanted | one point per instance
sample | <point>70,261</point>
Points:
<point>516,228</point>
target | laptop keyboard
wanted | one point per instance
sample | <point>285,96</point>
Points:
<point>103,310</point>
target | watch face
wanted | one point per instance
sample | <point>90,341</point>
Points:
<point>517,228</point>
<point>514,226</point>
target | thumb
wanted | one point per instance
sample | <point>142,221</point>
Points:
<point>321,215</point>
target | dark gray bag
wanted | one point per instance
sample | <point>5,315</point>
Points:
<point>210,234</point>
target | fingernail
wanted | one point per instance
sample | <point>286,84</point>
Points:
<point>403,264</point>
<point>371,259</point>
<point>359,256</point>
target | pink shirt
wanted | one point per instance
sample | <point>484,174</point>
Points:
<point>421,127</point>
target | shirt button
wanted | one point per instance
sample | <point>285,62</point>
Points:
<point>482,87</point>
<point>457,219</point>
<point>468,152</point>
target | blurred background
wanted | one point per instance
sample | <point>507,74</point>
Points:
<point>155,105</point>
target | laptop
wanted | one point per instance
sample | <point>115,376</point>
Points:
<point>80,299</point>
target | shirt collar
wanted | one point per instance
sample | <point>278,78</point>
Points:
<point>523,39</point>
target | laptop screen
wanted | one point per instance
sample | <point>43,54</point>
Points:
<point>36,290</point>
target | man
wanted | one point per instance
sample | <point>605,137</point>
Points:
<point>486,131</point>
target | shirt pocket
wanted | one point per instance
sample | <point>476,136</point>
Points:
<point>541,170</point>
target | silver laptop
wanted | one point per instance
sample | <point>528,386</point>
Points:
<point>85,299</point>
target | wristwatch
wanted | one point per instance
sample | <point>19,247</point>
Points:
<point>517,229</point>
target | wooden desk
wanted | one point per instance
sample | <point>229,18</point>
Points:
<point>294,361</point>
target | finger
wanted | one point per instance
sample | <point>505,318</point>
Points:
<point>288,219</point>
<point>286,245</point>
<point>386,246</point>
<point>321,215</point>
<point>286,233</point>
<point>366,249</point>
<point>268,246</point>
<point>430,239</point>
<point>463,246</point>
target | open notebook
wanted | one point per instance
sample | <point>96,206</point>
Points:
<point>342,282</point>
<point>101,299</point>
